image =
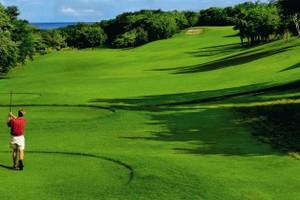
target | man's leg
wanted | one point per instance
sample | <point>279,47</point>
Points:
<point>21,158</point>
<point>14,156</point>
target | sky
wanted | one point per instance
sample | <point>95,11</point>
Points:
<point>97,10</point>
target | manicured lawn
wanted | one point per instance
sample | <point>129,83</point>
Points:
<point>168,120</point>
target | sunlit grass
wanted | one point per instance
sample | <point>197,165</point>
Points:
<point>167,110</point>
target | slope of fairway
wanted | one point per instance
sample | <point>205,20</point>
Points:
<point>207,62</point>
<point>169,120</point>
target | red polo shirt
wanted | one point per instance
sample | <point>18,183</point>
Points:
<point>17,126</point>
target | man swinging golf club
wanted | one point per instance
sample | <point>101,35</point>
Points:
<point>17,141</point>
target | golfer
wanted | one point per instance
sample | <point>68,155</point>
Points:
<point>17,141</point>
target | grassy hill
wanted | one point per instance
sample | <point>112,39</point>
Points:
<point>192,117</point>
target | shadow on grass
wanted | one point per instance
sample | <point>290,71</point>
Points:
<point>231,36</point>
<point>218,131</point>
<point>161,102</point>
<point>205,132</point>
<point>226,131</point>
<point>229,61</point>
<point>278,125</point>
<point>6,167</point>
<point>229,132</point>
<point>216,50</point>
<point>150,102</point>
<point>3,77</point>
<point>291,67</point>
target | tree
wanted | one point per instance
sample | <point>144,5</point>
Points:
<point>141,36</point>
<point>161,26</point>
<point>53,39</point>
<point>131,38</point>
<point>291,9</point>
<point>256,22</point>
<point>121,24</point>
<point>84,36</point>
<point>23,35</point>
<point>12,12</point>
<point>8,48</point>
<point>39,44</point>
<point>93,36</point>
<point>192,17</point>
<point>180,19</point>
<point>8,52</point>
<point>126,40</point>
<point>143,26</point>
<point>214,17</point>
<point>5,23</point>
<point>19,40</point>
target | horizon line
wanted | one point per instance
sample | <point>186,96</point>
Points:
<point>62,22</point>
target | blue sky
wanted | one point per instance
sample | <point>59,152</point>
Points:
<point>96,10</point>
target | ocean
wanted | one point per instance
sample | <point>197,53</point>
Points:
<point>53,25</point>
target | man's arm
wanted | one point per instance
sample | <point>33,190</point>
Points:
<point>10,117</point>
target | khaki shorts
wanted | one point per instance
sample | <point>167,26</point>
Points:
<point>17,142</point>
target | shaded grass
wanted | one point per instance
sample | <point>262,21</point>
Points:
<point>278,125</point>
<point>291,67</point>
<point>231,61</point>
<point>216,50</point>
<point>225,138</point>
<point>160,101</point>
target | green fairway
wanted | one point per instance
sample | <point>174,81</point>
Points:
<point>173,119</point>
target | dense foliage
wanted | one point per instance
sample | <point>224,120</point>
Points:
<point>256,23</point>
<point>133,29</point>
<point>8,52</point>
<point>18,40</point>
<point>84,36</point>
<point>135,37</point>
<point>290,10</point>
<point>53,39</point>
<point>216,17</point>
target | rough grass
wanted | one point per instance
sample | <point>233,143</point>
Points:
<point>166,110</point>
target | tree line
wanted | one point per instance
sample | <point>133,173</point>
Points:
<point>256,23</point>
<point>18,40</point>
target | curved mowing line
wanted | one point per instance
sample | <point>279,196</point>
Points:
<point>118,162</point>
<point>22,93</point>
<point>60,105</point>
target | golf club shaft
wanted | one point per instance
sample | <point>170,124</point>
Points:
<point>10,102</point>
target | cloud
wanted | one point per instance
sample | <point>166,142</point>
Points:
<point>77,12</point>
<point>69,11</point>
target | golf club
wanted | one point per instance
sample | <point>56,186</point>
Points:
<point>10,101</point>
